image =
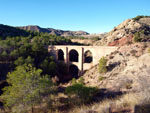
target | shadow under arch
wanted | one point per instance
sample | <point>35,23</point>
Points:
<point>88,57</point>
<point>73,71</point>
<point>60,55</point>
<point>73,55</point>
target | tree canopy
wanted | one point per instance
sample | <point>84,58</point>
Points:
<point>27,88</point>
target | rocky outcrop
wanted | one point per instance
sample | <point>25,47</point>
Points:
<point>126,30</point>
<point>122,41</point>
<point>54,31</point>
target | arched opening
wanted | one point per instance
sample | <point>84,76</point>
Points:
<point>73,71</point>
<point>73,56</point>
<point>88,58</point>
<point>60,55</point>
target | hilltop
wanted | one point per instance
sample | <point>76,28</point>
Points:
<point>125,32</point>
<point>53,31</point>
<point>11,31</point>
<point>6,30</point>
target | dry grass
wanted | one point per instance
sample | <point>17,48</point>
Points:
<point>129,100</point>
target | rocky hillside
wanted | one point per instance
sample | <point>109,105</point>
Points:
<point>129,75</point>
<point>54,31</point>
<point>11,31</point>
<point>125,32</point>
<point>128,69</point>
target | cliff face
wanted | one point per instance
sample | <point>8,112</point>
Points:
<point>54,31</point>
<point>123,34</point>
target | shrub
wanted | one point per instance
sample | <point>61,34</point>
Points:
<point>96,38</point>
<point>102,65</point>
<point>137,37</point>
<point>4,54</point>
<point>74,81</point>
<point>27,88</point>
<point>101,78</point>
<point>19,61</point>
<point>82,92</point>
<point>139,17</point>
<point>81,80</point>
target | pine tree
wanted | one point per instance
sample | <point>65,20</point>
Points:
<point>27,88</point>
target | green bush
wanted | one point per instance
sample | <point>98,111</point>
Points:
<point>96,38</point>
<point>81,80</point>
<point>137,37</point>
<point>27,88</point>
<point>139,17</point>
<point>101,78</point>
<point>81,92</point>
<point>74,81</point>
<point>102,65</point>
<point>4,54</point>
<point>19,61</point>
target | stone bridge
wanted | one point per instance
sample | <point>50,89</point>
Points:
<point>79,58</point>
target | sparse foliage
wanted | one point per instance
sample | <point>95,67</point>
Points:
<point>81,80</point>
<point>138,36</point>
<point>19,61</point>
<point>101,78</point>
<point>139,17</point>
<point>102,65</point>
<point>74,81</point>
<point>4,55</point>
<point>96,38</point>
<point>81,92</point>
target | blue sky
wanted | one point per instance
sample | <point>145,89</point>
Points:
<point>93,16</point>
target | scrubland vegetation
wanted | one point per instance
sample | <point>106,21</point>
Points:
<point>139,17</point>
<point>29,70</point>
<point>27,67</point>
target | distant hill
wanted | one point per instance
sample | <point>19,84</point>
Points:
<point>6,30</point>
<point>53,31</point>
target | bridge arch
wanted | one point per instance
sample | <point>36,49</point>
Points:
<point>73,56</point>
<point>60,55</point>
<point>88,57</point>
<point>73,71</point>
